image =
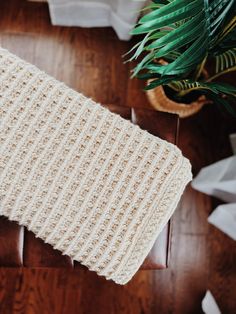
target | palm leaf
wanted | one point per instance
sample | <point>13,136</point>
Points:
<point>227,38</point>
<point>182,9</point>
<point>212,90</point>
<point>184,86</point>
<point>186,33</point>
<point>224,63</point>
<point>193,29</point>
<point>180,31</point>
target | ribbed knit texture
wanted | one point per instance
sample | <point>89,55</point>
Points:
<point>85,180</point>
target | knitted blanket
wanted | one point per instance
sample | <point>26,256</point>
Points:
<point>90,183</point>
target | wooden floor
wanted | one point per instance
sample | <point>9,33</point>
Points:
<point>202,257</point>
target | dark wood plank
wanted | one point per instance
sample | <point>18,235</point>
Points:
<point>39,254</point>
<point>160,124</point>
<point>204,139</point>
<point>202,257</point>
<point>124,112</point>
<point>11,243</point>
<point>49,291</point>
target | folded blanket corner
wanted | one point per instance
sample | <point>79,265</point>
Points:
<point>85,180</point>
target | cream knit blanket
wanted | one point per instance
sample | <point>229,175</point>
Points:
<point>85,180</point>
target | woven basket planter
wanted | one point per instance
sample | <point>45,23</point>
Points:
<point>158,99</point>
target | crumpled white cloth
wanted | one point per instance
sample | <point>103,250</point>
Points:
<point>224,218</point>
<point>219,180</point>
<point>120,14</point>
<point>209,305</point>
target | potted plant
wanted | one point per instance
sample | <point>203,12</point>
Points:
<point>180,38</point>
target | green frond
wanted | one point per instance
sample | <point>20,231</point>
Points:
<point>185,34</point>
<point>184,85</point>
<point>224,63</point>
<point>189,85</point>
<point>191,29</point>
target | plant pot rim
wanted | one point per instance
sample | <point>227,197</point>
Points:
<point>159,100</point>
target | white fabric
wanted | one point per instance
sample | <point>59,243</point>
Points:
<point>209,305</point>
<point>218,179</point>
<point>224,218</point>
<point>120,14</point>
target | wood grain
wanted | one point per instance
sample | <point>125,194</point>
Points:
<point>11,243</point>
<point>202,257</point>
